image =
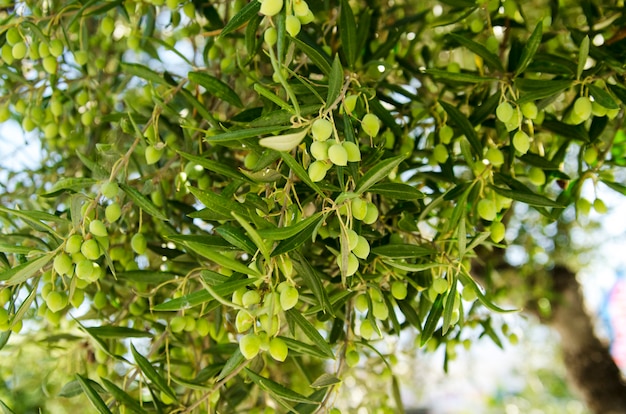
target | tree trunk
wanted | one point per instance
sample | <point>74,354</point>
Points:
<point>588,361</point>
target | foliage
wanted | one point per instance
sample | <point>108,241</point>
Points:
<point>238,199</point>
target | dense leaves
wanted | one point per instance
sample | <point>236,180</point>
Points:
<point>290,181</point>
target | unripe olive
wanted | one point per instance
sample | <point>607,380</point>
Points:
<point>353,238</point>
<point>100,300</point>
<point>84,269</point>
<point>521,142</point>
<point>446,133</point>
<point>113,212</point>
<point>63,264</point>
<point>50,64</point>
<point>293,25</point>
<point>238,295</point>
<point>338,154</point>
<point>440,153</point>
<point>537,176</point>
<point>4,317</point>
<point>599,206</point>
<point>250,298</point>
<point>440,285</point>
<point>270,36</point>
<point>78,298</point>
<point>349,103</point>
<point>497,231</point>
<point>477,25</point>
<point>97,228</point>
<point>56,48</point>
<point>56,301</point>
<point>243,321</point>
<point>353,264</point>
<point>590,155</point>
<point>110,189</point>
<point>495,156</point>
<point>486,209</point>
<point>319,150</point>
<point>190,323</point>
<point>353,151</point>
<point>107,25</point>
<point>362,248</point>
<point>177,324</point>
<point>153,154</point>
<point>398,290</point>
<point>138,243</point>
<point>250,344</point>
<point>370,124</point>
<point>361,303</point>
<point>81,57</point>
<point>529,110</point>
<point>583,206</point>
<point>380,310</point>
<point>300,8</point>
<point>270,325</point>
<point>504,112</point>
<point>13,36</point>
<point>91,249</point>
<point>367,330</point>
<point>289,298</point>
<point>372,214</point>
<point>271,8</point>
<point>19,50</point>
<point>278,349</point>
<point>317,170</point>
<point>352,358</point>
<point>202,327</point>
<point>582,108</point>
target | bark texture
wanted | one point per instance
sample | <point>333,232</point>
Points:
<point>588,361</point>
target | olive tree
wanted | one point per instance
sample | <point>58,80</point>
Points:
<point>236,200</point>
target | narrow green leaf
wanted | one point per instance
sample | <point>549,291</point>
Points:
<point>301,348</point>
<point>237,237</point>
<point>347,33</point>
<point>583,54</point>
<point>240,134</point>
<point>92,395</point>
<point>216,87</point>
<point>297,240</point>
<point>402,251</point>
<point>235,361</point>
<point>462,236</point>
<point>466,127</point>
<point>432,320</point>
<point>444,75</point>
<point>25,271</point>
<point>219,204</point>
<point>71,184</point>
<point>122,397</point>
<point>535,89</point>
<point>418,267</point>
<point>620,188</point>
<point>5,408</point>
<point>246,13</point>
<point>202,296</point>
<point>143,202</point>
<point>399,191</point>
<point>312,281</point>
<point>317,55</point>
<point>147,276</point>
<point>602,97</point>
<point>193,101</point>
<point>335,83</point>
<point>467,280</point>
<point>309,330</point>
<point>377,173</point>
<point>284,142</point>
<point>254,236</point>
<point>222,260</point>
<point>491,59</point>
<point>277,390</point>
<point>539,161</point>
<point>215,166</point>
<point>118,332</point>
<point>143,72</point>
<point>448,308</point>
<point>531,199</point>
<point>530,49</point>
<point>266,93</point>
<point>36,218</point>
<point>325,380</point>
<point>215,242</point>
<point>301,173</point>
<point>282,233</point>
<point>150,373</point>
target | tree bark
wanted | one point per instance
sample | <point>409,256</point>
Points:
<point>589,364</point>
